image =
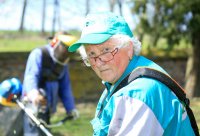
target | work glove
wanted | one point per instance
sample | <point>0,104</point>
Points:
<point>74,113</point>
<point>35,101</point>
<point>36,97</point>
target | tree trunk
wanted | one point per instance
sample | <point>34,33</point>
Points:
<point>193,69</point>
<point>21,28</point>
<point>55,16</point>
<point>112,4</point>
<point>87,7</point>
<point>43,15</point>
<point>120,6</point>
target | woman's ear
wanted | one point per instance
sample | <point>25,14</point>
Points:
<point>130,50</point>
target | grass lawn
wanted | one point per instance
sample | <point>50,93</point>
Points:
<point>82,127</point>
<point>11,41</point>
<point>79,127</point>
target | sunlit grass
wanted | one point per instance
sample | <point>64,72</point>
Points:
<point>20,45</point>
<point>164,50</point>
<point>12,41</point>
<point>79,127</point>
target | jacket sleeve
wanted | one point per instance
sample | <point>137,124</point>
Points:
<point>132,116</point>
<point>65,91</point>
<point>32,71</point>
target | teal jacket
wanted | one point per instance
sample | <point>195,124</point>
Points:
<point>145,107</point>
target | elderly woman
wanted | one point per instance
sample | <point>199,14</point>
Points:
<point>143,107</point>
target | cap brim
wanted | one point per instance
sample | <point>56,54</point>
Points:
<point>89,39</point>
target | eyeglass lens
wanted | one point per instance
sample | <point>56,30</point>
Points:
<point>105,57</point>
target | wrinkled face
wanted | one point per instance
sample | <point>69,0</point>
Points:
<point>111,70</point>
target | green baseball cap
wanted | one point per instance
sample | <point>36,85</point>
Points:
<point>99,27</point>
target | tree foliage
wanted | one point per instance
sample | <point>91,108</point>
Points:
<point>170,19</point>
<point>173,20</point>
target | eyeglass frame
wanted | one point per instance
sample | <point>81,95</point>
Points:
<point>87,62</point>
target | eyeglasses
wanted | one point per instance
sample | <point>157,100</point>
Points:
<point>105,57</point>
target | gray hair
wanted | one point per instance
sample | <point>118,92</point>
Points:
<point>123,39</point>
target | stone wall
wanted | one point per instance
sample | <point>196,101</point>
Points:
<point>12,65</point>
<point>175,67</point>
<point>83,79</point>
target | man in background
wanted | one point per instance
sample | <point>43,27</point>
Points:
<point>46,79</point>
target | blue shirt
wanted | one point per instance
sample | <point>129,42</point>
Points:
<point>54,89</point>
<point>143,107</point>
